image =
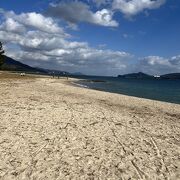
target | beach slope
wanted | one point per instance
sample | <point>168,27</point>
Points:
<point>50,129</point>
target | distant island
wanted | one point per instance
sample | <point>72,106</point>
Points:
<point>171,76</point>
<point>138,75</point>
<point>141,75</point>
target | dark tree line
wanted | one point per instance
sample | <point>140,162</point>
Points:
<point>1,54</point>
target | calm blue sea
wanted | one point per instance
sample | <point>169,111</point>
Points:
<point>162,90</point>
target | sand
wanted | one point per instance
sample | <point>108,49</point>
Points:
<point>50,129</point>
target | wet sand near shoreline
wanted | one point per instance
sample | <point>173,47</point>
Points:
<point>50,129</point>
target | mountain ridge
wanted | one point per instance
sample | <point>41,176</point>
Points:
<point>139,75</point>
<point>13,65</point>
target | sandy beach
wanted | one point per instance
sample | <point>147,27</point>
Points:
<point>52,130</point>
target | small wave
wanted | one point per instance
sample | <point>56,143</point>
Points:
<point>80,85</point>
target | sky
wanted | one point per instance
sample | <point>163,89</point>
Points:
<point>94,37</point>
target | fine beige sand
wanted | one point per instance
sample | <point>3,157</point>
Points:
<point>52,130</point>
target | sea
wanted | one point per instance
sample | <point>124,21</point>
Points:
<point>155,89</point>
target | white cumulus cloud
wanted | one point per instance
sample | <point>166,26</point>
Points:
<point>32,44</point>
<point>37,46</point>
<point>77,11</point>
<point>33,20</point>
<point>12,26</point>
<point>133,7</point>
<point>159,65</point>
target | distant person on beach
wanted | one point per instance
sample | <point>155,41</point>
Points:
<point>53,75</point>
<point>65,75</point>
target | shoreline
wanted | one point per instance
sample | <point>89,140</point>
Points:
<point>73,81</point>
<point>51,129</point>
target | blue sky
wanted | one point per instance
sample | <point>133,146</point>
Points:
<point>99,37</point>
